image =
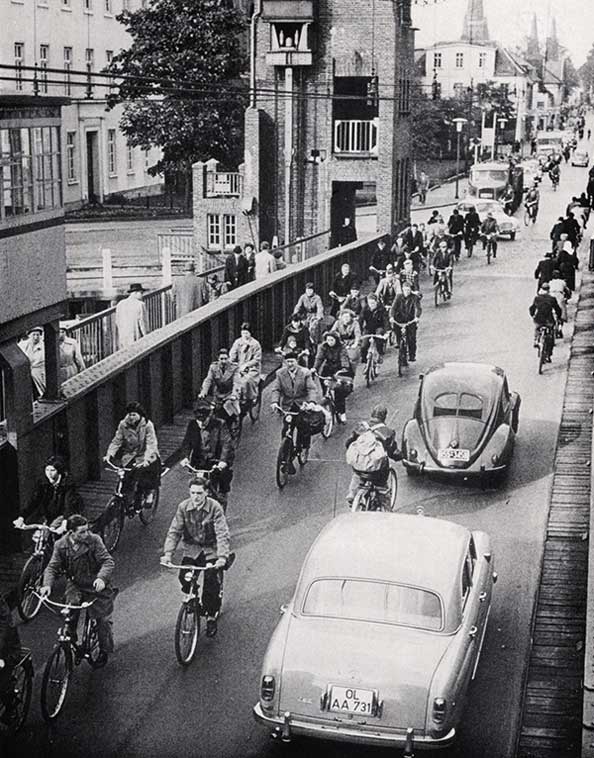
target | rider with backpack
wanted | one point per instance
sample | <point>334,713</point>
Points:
<point>369,450</point>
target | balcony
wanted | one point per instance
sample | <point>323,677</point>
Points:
<point>356,137</point>
<point>289,44</point>
<point>223,184</point>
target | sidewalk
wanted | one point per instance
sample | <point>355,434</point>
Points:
<point>441,195</point>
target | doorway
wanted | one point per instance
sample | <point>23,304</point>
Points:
<point>93,166</point>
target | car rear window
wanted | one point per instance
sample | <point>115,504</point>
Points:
<point>364,600</point>
<point>463,404</point>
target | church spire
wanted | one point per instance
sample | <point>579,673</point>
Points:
<point>533,46</point>
<point>475,23</point>
<point>552,46</point>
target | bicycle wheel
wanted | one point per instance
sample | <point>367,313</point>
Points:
<point>369,369</point>
<point>542,353</point>
<point>256,407</point>
<point>15,707</point>
<point>147,514</point>
<point>526,218</point>
<point>393,487</point>
<point>91,644</point>
<point>28,603</point>
<point>402,355</point>
<point>187,630</point>
<point>282,463</point>
<point>361,501</point>
<point>56,678</point>
<point>303,456</point>
<point>112,528</point>
<point>488,254</point>
<point>436,289</point>
<point>392,338</point>
<point>329,425</point>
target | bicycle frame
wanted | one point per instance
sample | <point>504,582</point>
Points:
<point>64,632</point>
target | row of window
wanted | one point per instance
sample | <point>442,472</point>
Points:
<point>112,156</point>
<point>221,231</point>
<point>438,60</point>
<point>44,64</point>
<point>30,170</point>
<point>110,7</point>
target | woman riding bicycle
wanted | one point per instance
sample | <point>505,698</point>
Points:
<point>310,309</point>
<point>332,361</point>
<point>348,329</point>
<point>135,446</point>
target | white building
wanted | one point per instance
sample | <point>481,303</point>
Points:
<point>76,35</point>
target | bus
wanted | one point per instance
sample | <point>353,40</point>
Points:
<point>549,142</point>
<point>497,181</point>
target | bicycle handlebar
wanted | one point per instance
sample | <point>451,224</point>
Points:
<point>199,471</point>
<point>45,599</point>
<point>113,467</point>
<point>408,323</point>
<point>31,527</point>
<point>277,407</point>
<point>187,566</point>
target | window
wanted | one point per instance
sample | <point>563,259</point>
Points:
<point>108,7</point>
<point>437,60</point>
<point>459,60</point>
<point>459,90</point>
<point>71,156</point>
<point>48,179</point>
<point>66,4</point>
<point>125,5</point>
<point>230,228</point>
<point>213,231</point>
<point>88,6</point>
<point>108,60</point>
<point>466,578</point>
<point>112,165</point>
<point>221,231</point>
<point>67,70</point>
<point>129,159</point>
<point>19,61</point>
<point>43,64</point>
<point>482,60</point>
<point>89,65</point>
<point>15,172</point>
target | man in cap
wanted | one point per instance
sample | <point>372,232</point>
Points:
<point>223,384</point>
<point>130,316</point>
<point>544,269</point>
<point>190,291</point>
<point>236,268</point>
<point>545,311</point>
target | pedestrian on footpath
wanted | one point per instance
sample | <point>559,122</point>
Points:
<point>423,187</point>
<point>71,360</point>
<point>189,292</point>
<point>236,268</point>
<point>34,349</point>
<point>249,252</point>
<point>131,319</point>
<point>264,262</point>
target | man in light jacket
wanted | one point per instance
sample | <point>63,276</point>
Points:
<point>130,316</point>
<point>264,262</point>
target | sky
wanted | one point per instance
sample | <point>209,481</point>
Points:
<point>509,22</point>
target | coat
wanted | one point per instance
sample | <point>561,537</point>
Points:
<point>544,270</point>
<point>203,446</point>
<point>131,322</point>
<point>190,292</point>
<point>236,270</point>
<point>374,322</point>
<point>309,306</point>
<point>299,388</point>
<point>405,309</point>
<point>342,284</point>
<point>36,355</point>
<point>264,264</point>
<point>201,529</point>
<point>71,360</point>
<point>247,355</point>
<point>134,444</point>
<point>48,501</point>
<point>91,561</point>
<point>220,383</point>
<point>329,360</point>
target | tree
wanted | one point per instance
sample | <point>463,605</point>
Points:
<point>432,124</point>
<point>586,73</point>
<point>183,94</point>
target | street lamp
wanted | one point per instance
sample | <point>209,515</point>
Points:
<point>459,126</point>
<point>501,123</point>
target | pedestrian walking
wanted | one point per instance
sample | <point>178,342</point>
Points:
<point>131,320</point>
<point>347,232</point>
<point>264,262</point>
<point>236,268</point>
<point>189,291</point>
<point>71,360</point>
<point>423,185</point>
<point>34,349</point>
<point>279,260</point>
<point>249,252</point>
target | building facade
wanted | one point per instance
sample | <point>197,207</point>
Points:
<point>77,36</point>
<point>330,111</point>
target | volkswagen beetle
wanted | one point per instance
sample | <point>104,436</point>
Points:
<point>383,634</point>
<point>509,226</point>
<point>464,423</point>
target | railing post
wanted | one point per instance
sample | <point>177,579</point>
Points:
<point>107,268</point>
<point>166,265</point>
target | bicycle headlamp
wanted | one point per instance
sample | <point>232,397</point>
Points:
<point>188,576</point>
<point>287,419</point>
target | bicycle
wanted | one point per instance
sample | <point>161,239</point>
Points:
<point>302,356</point>
<point>288,448</point>
<point>329,400</point>
<point>371,368</point>
<point>403,344</point>
<point>187,625</point>
<point>470,239</point>
<point>16,700</point>
<point>442,289</point>
<point>31,576</point>
<point>251,408</point>
<point>530,214</point>
<point>125,504</point>
<point>491,246</point>
<point>368,496</point>
<point>210,476</point>
<point>546,342</point>
<point>67,654</point>
<point>554,181</point>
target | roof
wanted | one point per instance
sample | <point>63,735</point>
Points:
<point>394,547</point>
<point>478,378</point>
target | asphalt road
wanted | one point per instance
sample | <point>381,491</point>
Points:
<point>144,704</point>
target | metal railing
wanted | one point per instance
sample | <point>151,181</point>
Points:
<point>223,184</point>
<point>356,137</point>
<point>306,247</point>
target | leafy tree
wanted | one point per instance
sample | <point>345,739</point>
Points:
<point>586,72</point>
<point>183,94</point>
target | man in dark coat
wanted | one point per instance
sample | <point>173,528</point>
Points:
<point>544,270</point>
<point>236,268</point>
<point>456,230</point>
<point>189,292</point>
<point>341,286</point>
<point>347,232</point>
<point>380,259</point>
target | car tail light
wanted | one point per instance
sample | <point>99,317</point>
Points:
<point>413,454</point>
<point>439,710</point>
<point>267,688</point>
<point>494,459</point>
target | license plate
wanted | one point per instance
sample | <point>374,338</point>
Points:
<point>454,454</point>
<point>352,700</point>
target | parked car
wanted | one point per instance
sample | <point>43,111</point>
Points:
<point>509,226</point>
<point>532,171</point>
<point>379,641</point>
<point>580,158</point>
<point>464,423</point>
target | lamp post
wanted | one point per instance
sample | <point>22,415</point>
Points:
<point>501,123</point>
<point>459,126</point>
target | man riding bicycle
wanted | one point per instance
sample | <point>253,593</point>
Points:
<point>388,287</point>
<point>295,339</point>
<point>472,225</point>
<point>310,309</point>
<point>406,309</point>
<point>442,262</point>
<point>82,557</point>
<point>223,384</point>
<point>348,329</point>
<point>200,524</point>
<point>332,361</point>
<point>531,201</point>
<point>489,232</point>
<point>456,231</point>
<point>555,174</point>
<point>409,276</point>
<point>292,387</point>
<point>373,320</point>
<point>208,443</point>
<point>545,312</point>
<point>387,436</point>
<point>10,646</point>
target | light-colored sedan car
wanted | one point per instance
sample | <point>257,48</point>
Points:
<point>580,158</point>
<point>383,634</point>
<point>509,226</point>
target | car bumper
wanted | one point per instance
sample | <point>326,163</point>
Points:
<point>475,470</point>
<point>286,728</point>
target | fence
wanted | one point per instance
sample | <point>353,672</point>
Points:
<point>306,247</point>
<point>181,246</point>
<point>223,184</point>
<point>356,137</point>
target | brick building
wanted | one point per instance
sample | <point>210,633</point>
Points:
<point>329,112</point>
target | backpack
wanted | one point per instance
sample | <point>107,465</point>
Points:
<point>366,453</point>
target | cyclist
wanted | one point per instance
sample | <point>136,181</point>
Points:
<point>292,387</point>
<point>54,498</point>
<point>561,292</point>
<point>456,231</point>
<point>544,269</point>
<point>348,329</point>
<point>387,436</point>
<point>405,309</point>
<point>472,225</point>
<point>341,286</point>
<point>310,309</point>
<point>353,301</point>
<point>408,274</point>
<point>531,201</point>
<point>246,352</point>
<point>223,384</point>
<point>380,259</point>
<point>545,311</point>
<point>388,287</point>
<point>82,557</point>
<point>295,338</point>
<point>10,646</point>
<point>373,320</point>
<point>555,174</point>
<point>332,360</point>
<point>442,261</point>
<point>208,442</point>
<point>135,445</point>
<point>200,524</point>
<point>490,230</point>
